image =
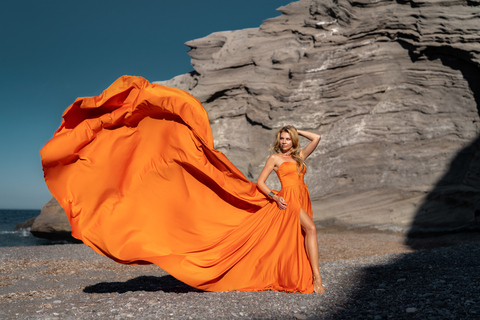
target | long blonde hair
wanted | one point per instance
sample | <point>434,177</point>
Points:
<point>294,151</point>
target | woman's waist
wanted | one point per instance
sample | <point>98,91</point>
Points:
<point>290,184</point>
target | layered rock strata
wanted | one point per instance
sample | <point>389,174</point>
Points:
<point>393,87</point>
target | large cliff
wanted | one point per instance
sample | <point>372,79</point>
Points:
<point>393,87</point>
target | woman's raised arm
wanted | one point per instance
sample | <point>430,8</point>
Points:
<point>310,147</point>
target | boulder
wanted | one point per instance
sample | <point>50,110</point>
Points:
<point>52,223</point>
<point>26,225</point>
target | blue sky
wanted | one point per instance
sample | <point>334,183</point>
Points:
<point>54,51</point>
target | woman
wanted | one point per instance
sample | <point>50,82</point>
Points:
<point>287,147</point>
<point>136,171</point>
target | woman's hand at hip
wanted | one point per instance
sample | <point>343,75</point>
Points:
<point>280,202</point>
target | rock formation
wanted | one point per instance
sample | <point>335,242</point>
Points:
<point>392,87</point>
<point>52,223</point>
<point>26,225</point>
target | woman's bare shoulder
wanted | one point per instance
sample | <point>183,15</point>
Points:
<point>274,157</point>
<point>275,160</point>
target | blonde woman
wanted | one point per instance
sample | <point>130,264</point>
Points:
<point>288,162</point>
<point>164,195</point>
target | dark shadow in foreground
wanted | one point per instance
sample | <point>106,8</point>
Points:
<point>432,284</point>
<point>441,283</point>
<point>142,283</point>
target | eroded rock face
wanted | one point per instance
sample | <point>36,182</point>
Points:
<point>393,87</point>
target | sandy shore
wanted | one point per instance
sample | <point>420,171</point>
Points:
<point>367,275</point>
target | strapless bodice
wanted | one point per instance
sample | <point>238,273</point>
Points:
<point>287,173</point>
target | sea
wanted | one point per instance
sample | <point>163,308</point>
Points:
<point>10,238</point>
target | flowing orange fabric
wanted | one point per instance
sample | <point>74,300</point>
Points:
<point>140,181</point>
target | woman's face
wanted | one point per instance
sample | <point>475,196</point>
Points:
<point>285,142</point>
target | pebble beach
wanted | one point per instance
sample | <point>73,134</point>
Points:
<point>367,275</point>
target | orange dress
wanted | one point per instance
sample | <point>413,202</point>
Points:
<point>137,174</point>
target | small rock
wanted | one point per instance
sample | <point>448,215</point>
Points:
<point>300,316</point>
<point>411,310</point>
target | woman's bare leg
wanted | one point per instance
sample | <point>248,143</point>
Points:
<point>311,245</point>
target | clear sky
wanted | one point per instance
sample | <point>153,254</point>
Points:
<point>53,51</point>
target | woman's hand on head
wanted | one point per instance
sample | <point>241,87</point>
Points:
<point>280,202</point>
<point>314,140</point>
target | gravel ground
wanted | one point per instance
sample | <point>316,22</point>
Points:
<point>366,275</point>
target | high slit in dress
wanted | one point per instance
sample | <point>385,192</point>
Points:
<point>137,174</point>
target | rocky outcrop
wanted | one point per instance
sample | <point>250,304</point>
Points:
<point>392,87</point>
<point>52,223</point>
<point>26,225</point>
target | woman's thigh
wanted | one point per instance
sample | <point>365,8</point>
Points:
<point>306,222</point>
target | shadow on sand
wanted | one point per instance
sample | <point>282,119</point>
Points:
<point>142,283</point>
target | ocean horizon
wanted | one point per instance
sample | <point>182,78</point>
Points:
<point>9,218</point>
